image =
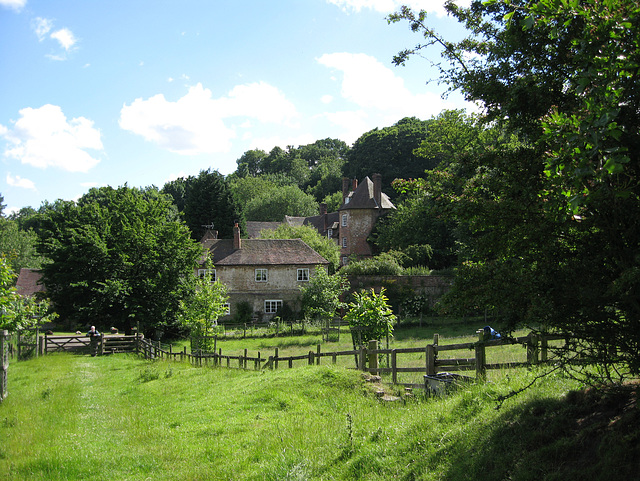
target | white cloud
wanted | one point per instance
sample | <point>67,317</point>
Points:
<point>326,99</point>
<point>373,87</point>
<point>18,181</point>
<point>389,6</point>
<point>43,29</point>
<point>44,138</point>
<point>42,26</point>
<point>65,38</point>
<point>194,124</point>
<point>13,4</point>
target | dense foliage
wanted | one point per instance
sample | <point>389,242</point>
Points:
<point>117,257</point>
<point>205,199</point>
<point>370,316</point>
<point>552,218</point>
<point>321,299</point>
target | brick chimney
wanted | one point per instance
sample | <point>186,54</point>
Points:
<point>237,243</point>
<point>323,214</point>
<point>377,189</point>
<point>355,185</point>
<point>345,188</point>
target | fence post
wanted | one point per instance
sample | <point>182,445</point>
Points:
<point>480,356</point>
<point>44,348</point>
<point>4,363</point>
<point>544,345</point>
<point>318,355</point>
<point>102,344</point>
<point>361,359</point>
<point>310,358</point>
<point>394,367</point>
<point>275,358</point>
<point>532,349</point>
<point>431,359</point>
<point>373,356</point>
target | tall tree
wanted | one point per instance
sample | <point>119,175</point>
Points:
<point>274,204</point>
<point>555,237</point>
<point>208,200</point>
<point>118,256</point>
<point>390,151</point>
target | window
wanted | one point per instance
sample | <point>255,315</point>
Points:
<point>227,307</point>
<point>204,272</point>
<point>344,220</point>
<point>261,275</point>
<point>330,233</point>
<point>303,274</point>
<point>345,260</point>
<point>271,307</point>
<point>344,242</point>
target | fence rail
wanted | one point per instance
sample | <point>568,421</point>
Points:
<point>366,358</point>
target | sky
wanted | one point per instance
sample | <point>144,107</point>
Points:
<point>141,92</point>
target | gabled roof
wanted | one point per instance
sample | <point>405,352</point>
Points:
<point>363,198</point>
<point>262,252</point>
<point>28,282</point>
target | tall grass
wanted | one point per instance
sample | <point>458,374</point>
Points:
<point>75,417</point>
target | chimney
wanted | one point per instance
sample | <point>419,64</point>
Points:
<point>237,244</point>
<point>345,188</point>
<point>377,189</point>
<point>355,184</point>
<point>323,214</point>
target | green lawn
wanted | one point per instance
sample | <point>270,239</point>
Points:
<point>71,417</point>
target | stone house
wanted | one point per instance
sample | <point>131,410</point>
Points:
<point>266,273</point>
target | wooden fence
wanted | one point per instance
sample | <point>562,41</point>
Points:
<point>105,344</point>
<point>366,358</point>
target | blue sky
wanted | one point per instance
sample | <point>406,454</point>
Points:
<point>96,92</point>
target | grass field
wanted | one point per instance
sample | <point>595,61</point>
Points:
<point>71,417</point>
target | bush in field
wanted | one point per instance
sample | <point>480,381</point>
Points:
<point>370,315</point>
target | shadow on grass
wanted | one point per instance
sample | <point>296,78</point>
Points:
<point>588,435</point>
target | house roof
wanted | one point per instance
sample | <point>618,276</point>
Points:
<point>317,221</point>
<point>28,282</point>
<point>263,252</point>
<point>254,227</point>
<point>363,198</point>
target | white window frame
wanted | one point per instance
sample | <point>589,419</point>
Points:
<point>271,306</point>
<point>203,272</point>
<point>344,220</point>
<point>228,309</point>
<point>261,275</point>
<point>344,242</point>
<point>345,260</point>
<point>303,274</point>
<point>329,232</point>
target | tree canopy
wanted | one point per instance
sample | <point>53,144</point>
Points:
<point>117,256</point>
<point>554,237</point>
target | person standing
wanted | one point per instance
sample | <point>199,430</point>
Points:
<point>94,339</point>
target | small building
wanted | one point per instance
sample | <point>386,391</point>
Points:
<point>29,283</point>
<point>265,273</point>
<point>362,206</point>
